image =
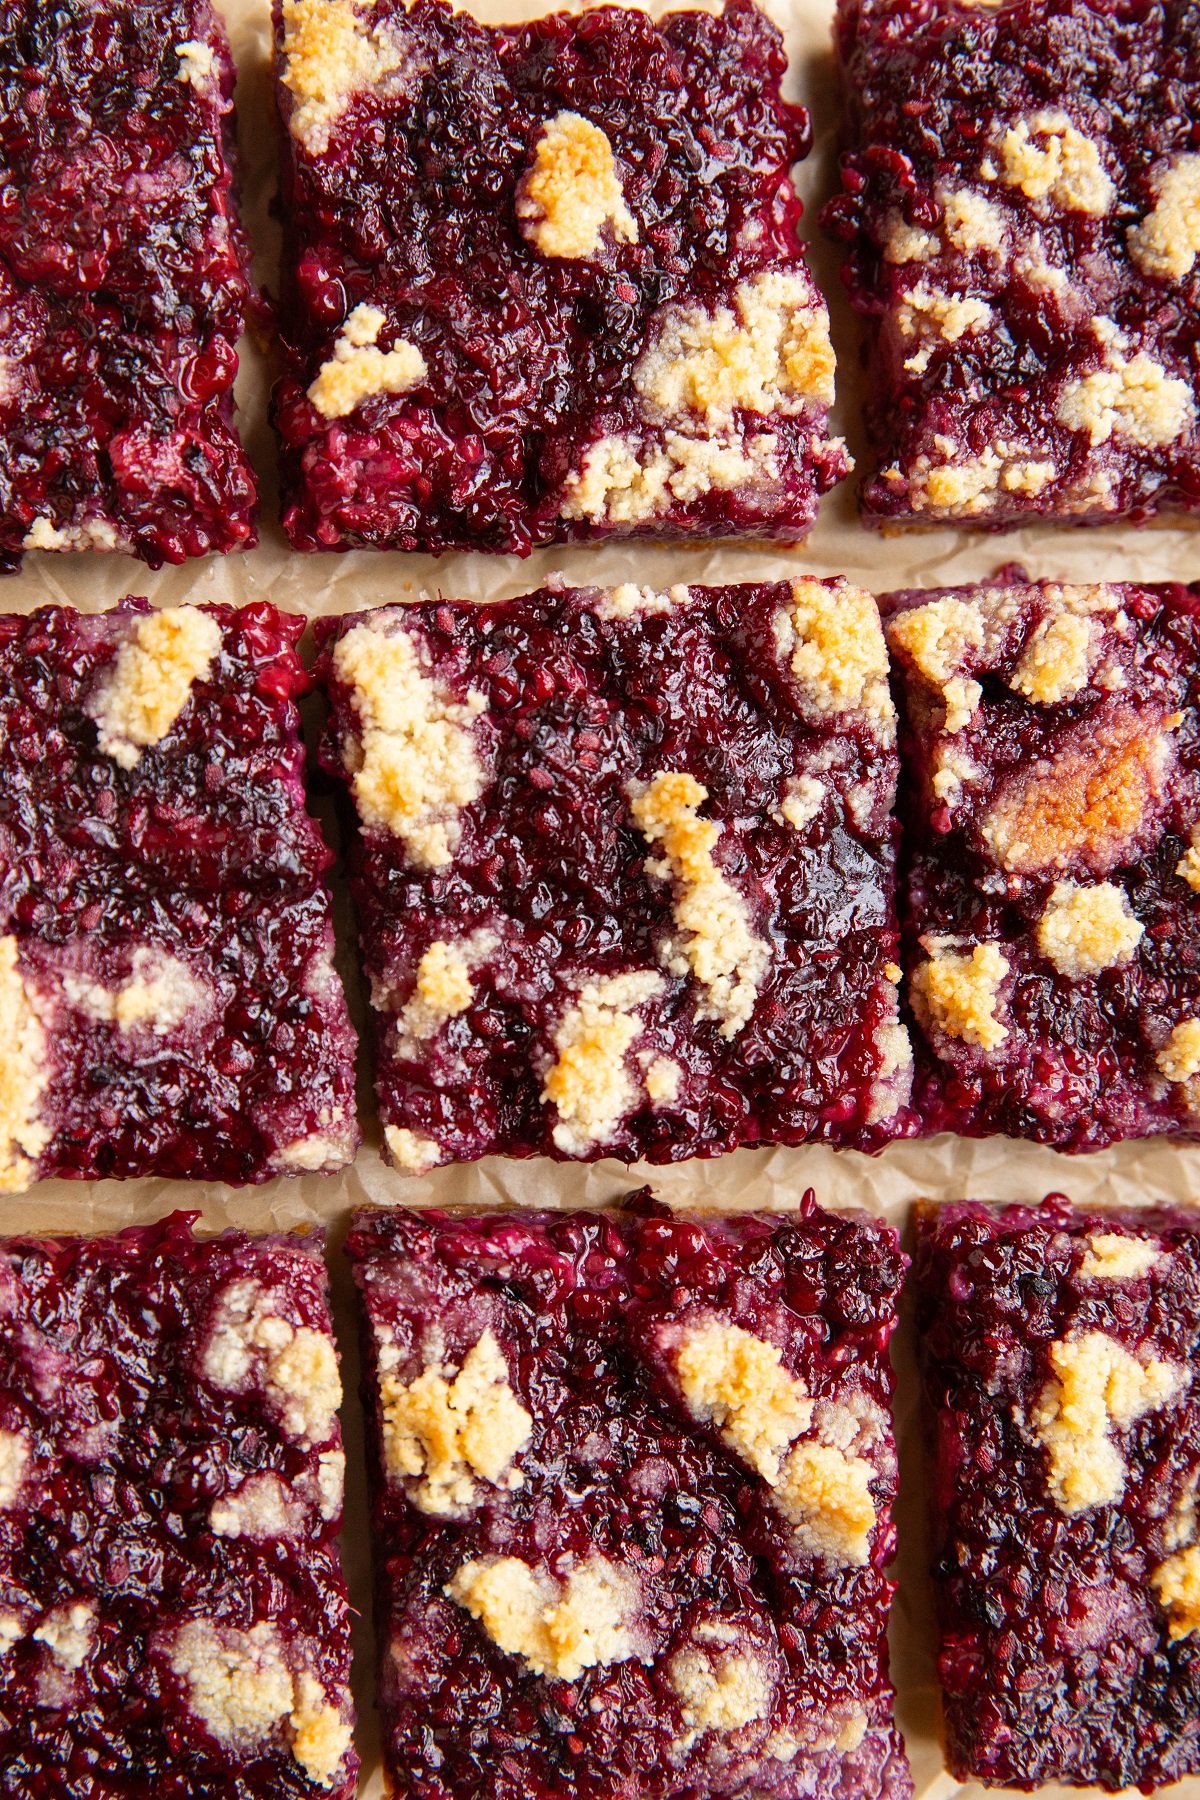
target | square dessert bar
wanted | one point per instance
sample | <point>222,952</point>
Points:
<point>122,289</point>
<point>624,869</point>
<point>168,1001</point>
<point>633,1478</point>
<point>1052,883</point>
<point>171,1474</point>
<point>1060,1353</point>
<point>544,280</point>
<point>1022,219</point>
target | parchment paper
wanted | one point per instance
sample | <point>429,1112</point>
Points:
<point>943,1169</point>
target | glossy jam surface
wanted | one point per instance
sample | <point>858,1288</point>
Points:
<point>411,208</point>
<point>582,1307</point>
<point>970,411</point>
<point>131,1451</point>
<point>1032,802</point>
<point>200,857</point>
<point>1056,1663</point>
<point>549,888</point>
<point>122,291</point>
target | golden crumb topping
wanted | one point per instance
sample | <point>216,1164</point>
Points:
<point>1167,242</point>
<point>1087,929</point>
<point>624,482</point>
<point>770,352</point>
<point>442,990</point>
<point>1055,662</point>
<point>445,1432</point>
<point>14,1460</point>
<point>1132,398</point>
<point>730,1378</point>
<point>1179,1058</point>
<point>1091,799</point>
<point>590,1083</point>
<point>415,1154</point>
<point>1176,1584</point>
<point>359,369</point>
<point>331,53</point>
<point>416,764</point>
<point>719,1691</point>
<point>957,991</point>
<point>715,941</point>
<point>1111,1256</point>
<point>938,639</point>
<point>140,697</point>
<point>1097,1388</point>
<point>833,636</point>
<point>973,222</point>
<point>1188,865</point>
<point>826,1493</point>
<point>23,1080</point>
<point>1048,159</point>
<point>572,191</point>
<point>557,1628</point>
<point>320,1735</point>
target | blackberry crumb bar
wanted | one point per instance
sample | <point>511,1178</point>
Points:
<point>633,1479</point>
<point>122,291</point>
<point>171,1472</point>
<point>168,1001</point>
<point>1052,823</point>
<point>545,280</point>
<point>1060,1352</point>
<point>1022,217</point>
<point>624,869</point>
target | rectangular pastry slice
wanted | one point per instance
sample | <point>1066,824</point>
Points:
<point>633,1479</point>
<point>173,1615</point>
<point>168,1001</point>
<point>1060,1352</point>
<point>122,287</point>
<point>624,869</point>
<point>544,280</point>
<point>1022,221</point>
<point>1052,817</point>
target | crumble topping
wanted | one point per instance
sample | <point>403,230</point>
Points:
<point>1064,167</point>
<point>837,648</point>
<point>803,798</point>
<point>1132,397</point>
<point>892,1085</point>
<point>250,1340</point>
<point>905,243</point>
<point>624,483</point>
<point>589,1082</point>
<point>662,1081</point>
<point>628,601</point>
<point>359,369</point>
<point>958,991</point>
<point>197,65</point>
<point>966,485</point>
<point>573,191</point>
<point>442,991</point>
<point>68,1632</point>
<point>973,222</point>
<point>951,773</point>
<point>769,353</point>
<point>447,1429</point>
<point>1086,929</point>
<point>410,1151</point>
<point>14,1459</point>
<point>330,54</point>
<point>557,1628</point>
<point>719,1692</point>
<point>935,317</point>
<point>417,764</point>
<point>92,534</point>
<point>826,1494</point>
<point>241,1689</point>
<point>141,696</point>
<point>1176,1583</point>
<point>331,1482</point>
<point>730,1378</point>
<point>1091,798</point>
<point>23,1136</point>
<point>11,1631</point>
<point>1167,242</point>
<point>1112,1257</point>
<point>1055,662</point>
<point>1189,863</point>
<point>1179,1058</point>
<point>319,1150</point>
<point>716,943</point>
<point>159,993</point>
<point>937,639</point>
<point>1097,1387</point>
<point>263,1507</point>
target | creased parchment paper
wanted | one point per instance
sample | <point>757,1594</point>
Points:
<point>943,1169</point>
